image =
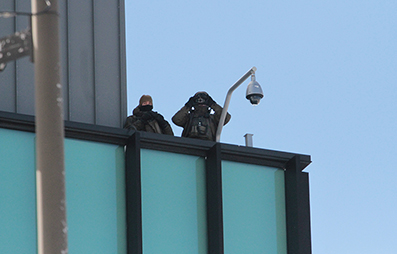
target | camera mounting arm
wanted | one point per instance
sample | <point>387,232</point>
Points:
<point>227,101</point>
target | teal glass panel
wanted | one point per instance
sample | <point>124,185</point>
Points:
<point>253,209</point>
<point>95,195</point>
<point>17,192</point>
<point>173,203</point>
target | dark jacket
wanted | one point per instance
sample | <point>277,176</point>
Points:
<point>182,119</point>
<point>149,121</point>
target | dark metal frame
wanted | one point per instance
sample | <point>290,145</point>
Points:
<point>214,200</point>
<point>133,194</point>
<point>297,207</point>
<point>296,181</point>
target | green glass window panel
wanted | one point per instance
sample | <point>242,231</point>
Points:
<point>17,192</point>
<point>173,203</point>
<point>95,192</point>
<point>253,209</point>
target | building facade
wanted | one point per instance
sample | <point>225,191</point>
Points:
<point>136,192</point>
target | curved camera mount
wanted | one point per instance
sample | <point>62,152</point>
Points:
<point>254,94</point>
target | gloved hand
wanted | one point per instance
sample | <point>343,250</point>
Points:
<point>154,115</point>
<point>190,103</point>
<point>160,120</point>
<point>147,116</point>
<point>210,101</point>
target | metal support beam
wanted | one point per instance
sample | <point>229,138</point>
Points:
<point>134,194</point>
<point>214,200</point>
<point>297,208</point>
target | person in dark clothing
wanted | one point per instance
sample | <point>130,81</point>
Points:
<point>196,117</point>
<point>145,119</point>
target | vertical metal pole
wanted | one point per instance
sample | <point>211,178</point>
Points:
<point>50,169</point>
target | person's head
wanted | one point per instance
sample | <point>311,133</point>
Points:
<point>201,102</point>
<point>201,98</point>
<point>146,103</point>
<point>145,100</point>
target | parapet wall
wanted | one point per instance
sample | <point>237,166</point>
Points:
<point>142,192</point>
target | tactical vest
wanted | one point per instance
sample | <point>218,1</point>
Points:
<point>199,126</point>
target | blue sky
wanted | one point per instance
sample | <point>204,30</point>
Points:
<point>329,73</point>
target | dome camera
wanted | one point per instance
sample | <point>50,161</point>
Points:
<point>255,98</point>
<point>254,93</point>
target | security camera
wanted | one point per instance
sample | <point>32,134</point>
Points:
<point>254,92</point>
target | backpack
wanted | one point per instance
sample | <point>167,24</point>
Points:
<point>198,126</point>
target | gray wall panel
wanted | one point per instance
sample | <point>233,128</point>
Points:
<point>25,86</point>
<point>7,88</point>
<point>7,77</point>
<point>92,34</point>
<point>25,68</point>
<point>63,34</point>
<point>123,63</point>
<point>107,62</point>
<point>81,62</point>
